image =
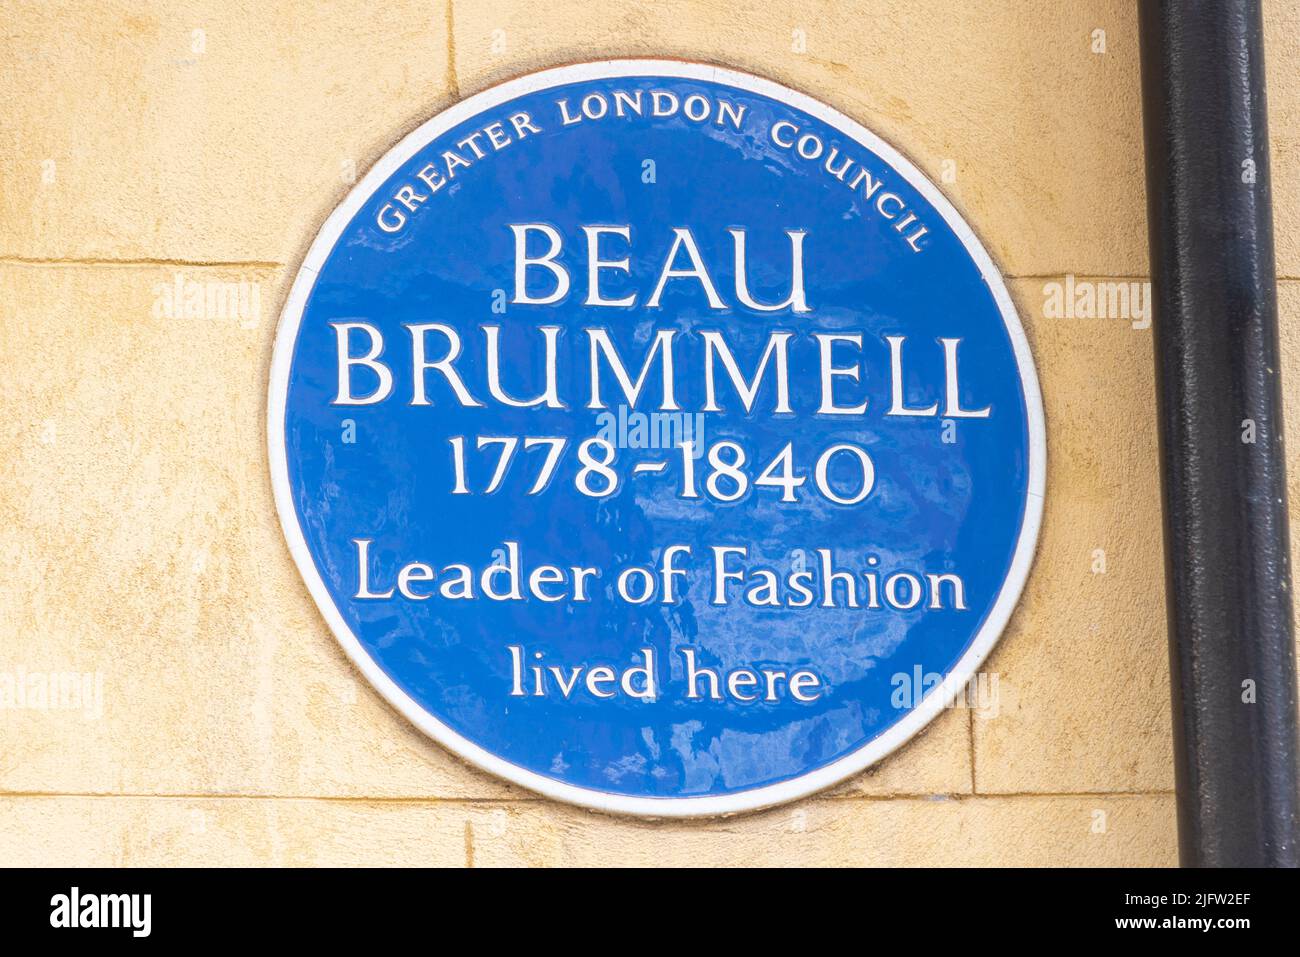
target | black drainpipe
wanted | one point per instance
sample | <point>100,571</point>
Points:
<point>1223,462</point>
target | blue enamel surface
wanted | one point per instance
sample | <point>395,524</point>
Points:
<point>936,506</point>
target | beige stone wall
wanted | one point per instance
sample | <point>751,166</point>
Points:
<point>138,538</point>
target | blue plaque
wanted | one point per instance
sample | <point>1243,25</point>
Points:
<point>657,438</point>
